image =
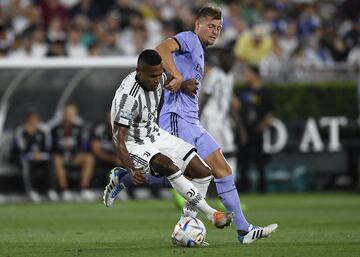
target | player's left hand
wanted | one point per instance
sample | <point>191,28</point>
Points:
<point>189,87</point>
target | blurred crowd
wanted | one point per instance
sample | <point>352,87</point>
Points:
<point>309,34</point>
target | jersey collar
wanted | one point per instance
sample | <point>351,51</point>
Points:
<point>200,41</point>
<point>141,84</point>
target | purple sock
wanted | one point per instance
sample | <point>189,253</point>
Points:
<point>229,197</point>
<point>151,181</point>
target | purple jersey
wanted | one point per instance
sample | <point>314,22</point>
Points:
<point>189,60</point>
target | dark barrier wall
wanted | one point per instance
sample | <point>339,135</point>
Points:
<point>315,127</point>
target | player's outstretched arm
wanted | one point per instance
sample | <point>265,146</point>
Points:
<point>119,134</point>
<point>165,49</point>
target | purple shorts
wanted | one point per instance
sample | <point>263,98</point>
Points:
<point>194,134</point>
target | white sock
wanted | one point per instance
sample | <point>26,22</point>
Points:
<point>187,190</point>
<point>202,184</point>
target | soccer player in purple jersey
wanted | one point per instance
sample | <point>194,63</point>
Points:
<point>183,58</point>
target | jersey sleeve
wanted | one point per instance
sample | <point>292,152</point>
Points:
<point>186,41</point>
<point>125,110</point>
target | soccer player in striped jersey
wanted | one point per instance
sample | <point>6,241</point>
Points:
<point>143,147</point>
<point>183,58</point>
<point>215,101</point>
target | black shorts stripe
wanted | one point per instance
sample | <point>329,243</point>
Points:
<point>176,125</point>
<point>188,154</point>
<point>171,125</point>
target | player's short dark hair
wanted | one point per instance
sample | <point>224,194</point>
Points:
<point>209,11</point>
<point>149,57</point>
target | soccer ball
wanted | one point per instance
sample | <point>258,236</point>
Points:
<point>189,232</point>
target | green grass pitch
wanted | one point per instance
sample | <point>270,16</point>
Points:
<point>309,225</point>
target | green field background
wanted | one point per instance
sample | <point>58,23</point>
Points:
<point>309,225</point>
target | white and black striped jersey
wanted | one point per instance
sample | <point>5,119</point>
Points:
<point>219,86</point>
<point>137,108</point>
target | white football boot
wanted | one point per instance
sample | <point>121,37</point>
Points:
<point>256,233</point>
<point>114,187</point>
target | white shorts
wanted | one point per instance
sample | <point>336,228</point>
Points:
<point>179,151</point>
<point>221,131</point>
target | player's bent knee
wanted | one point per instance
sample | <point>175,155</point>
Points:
<point>163,165</point>
<point>221,171</point>
<point>197,168</point>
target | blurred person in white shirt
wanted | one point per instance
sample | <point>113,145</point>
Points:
<point>289,42</point>
<point>74,46</point>
<point>273,65</point>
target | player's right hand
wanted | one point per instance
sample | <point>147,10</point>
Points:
<point>138,176</point>
<point>175,84</point>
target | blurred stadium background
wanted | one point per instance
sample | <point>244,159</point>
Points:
<point>54,52</point>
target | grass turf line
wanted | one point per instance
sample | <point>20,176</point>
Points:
<point>310,225</point>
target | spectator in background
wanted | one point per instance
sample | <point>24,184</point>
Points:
<point>21,47</point>
<point>34,158</point>
<point>309,21</point>
<point>85,8</point>
<point>84,25</point>
<point>140,40</point>
<point>123,9</point>
<point>134,38</point>
<point>274,64</point>
<point>293,21</point>
<point>109,46</point>
<point>354,56</point>
<point>351,37</point>
<point>6,39</point>
<point>28,16</point>
<point>252,46</point>
<point>94,50</point>
<point>103,149</point>
<point>170,29</point>
<point>289,41</point>
<point>233,25</point>
<point>55,30</point>
<point>272,20</point>
<point>56,49</point>
<point>68,152</point>
<point>254,108</point>
<point>317,56</point>
<point>39,46</point>
<point>51,9</point>
<point>74,47</point>
<point>250,11</point>
<point>338,50</point>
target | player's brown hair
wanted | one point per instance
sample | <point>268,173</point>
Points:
<point>209,11</point>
